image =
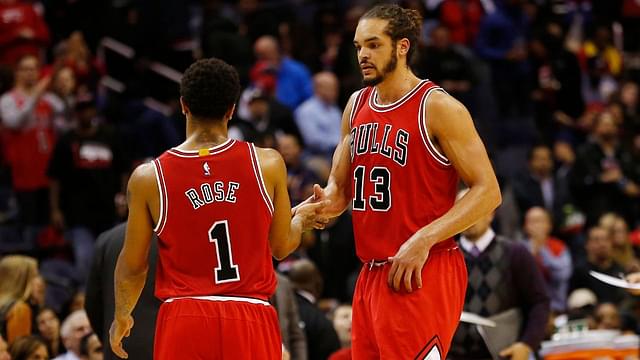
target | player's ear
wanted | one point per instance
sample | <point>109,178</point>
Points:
<point>229,114</point>
<point>183,106</point>
<point>403,46</point>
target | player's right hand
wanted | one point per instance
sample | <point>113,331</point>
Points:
<point>308,214</point>
<point>120,328</point>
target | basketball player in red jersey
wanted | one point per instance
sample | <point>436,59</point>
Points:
<point>405,144</point>
<point>220,209</point>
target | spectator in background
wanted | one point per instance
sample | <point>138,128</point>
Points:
<point>286,306</point>
<point>319,118</point>
<point>17,273</point>
<point>622,250</point>
<point>30,139</point>
<point>342,323</point>
<point>322,339</point>
<point>557,83</point>
<point>88,170</point>
<point>261,119</point>
<point>300,178</point>
<point>49,329</point>
<point>293,84</point>
<point>22,31</point>
<point>599,258</point>
<point>73,329</point>
<point>607,317</point>
<point>551,254</point>
<point>502,275</point>
<point>444,64</point>
<point>605,177</point>
<point>538,185</point>
<point>4,350</point>
<point>502,42</point>
<point>601,65</point>
<point>62,98</point>
<point>462,18</point>
<point>29,348</point>
<point>100,304</point>
<point>91,348</point>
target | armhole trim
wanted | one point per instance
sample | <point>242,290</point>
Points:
<point>255,163</point>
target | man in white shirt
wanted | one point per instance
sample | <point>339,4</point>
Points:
<point>74,327</point>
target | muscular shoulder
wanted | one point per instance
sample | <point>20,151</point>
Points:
<point>271,162</point>
<point>441,104</point>
<point>143,178</point>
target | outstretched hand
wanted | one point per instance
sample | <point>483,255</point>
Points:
<point>319,197</point>
<point>120,328</point>
<point>307,213</point>
<point>407,264</point>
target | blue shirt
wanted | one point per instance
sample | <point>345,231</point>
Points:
<point>319,125</point>
<point>294,83</point>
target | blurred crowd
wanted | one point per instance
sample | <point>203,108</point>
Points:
<point>89,90</point>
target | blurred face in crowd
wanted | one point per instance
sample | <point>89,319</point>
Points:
<point>266,49</point>
<point>4,354</point>
<point>78,328</point>
<point>48,325</point>
<point>606,128</point>
<point>598,245</point>
<point>563,152</point>
<point>258,108</point>
<point>38,289</point>
<point>440,38</point>
<point>64,82</point>
<point>27,72</point>
<point>619,232</point>
<point>40,353</point>
<point>607,317</point>
<point>541,162</point>
<point>377,54</point>
<point>629,94</point>
<point>94,348</point>
<point>537,224</point>
<point>342,323</point>
<point>325,85</point>
<point>289,148</point>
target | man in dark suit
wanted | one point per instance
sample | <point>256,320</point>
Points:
<point>322,339</point>
<point>100,297</point>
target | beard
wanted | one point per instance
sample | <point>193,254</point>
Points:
<point>390,67</point>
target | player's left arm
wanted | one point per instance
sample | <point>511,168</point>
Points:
<point>450,125</point>
<point>132,266</point>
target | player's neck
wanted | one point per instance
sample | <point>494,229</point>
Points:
<point>201,136</point>
<point>396,85</point>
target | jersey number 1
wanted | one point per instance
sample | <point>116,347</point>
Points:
<point>226,271</point>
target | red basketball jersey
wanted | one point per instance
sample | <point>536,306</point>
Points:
<point>400,181</point>
<point>213,228</point>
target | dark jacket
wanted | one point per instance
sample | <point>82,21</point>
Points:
<point>100,297</point>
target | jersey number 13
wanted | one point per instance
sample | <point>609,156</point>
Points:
<point>381,198</point>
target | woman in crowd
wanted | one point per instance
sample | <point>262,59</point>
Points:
<point>29,348</point>
<point>17,273</point>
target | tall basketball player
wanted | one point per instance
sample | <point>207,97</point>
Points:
<point>220,209</point>
<point>405,144</point>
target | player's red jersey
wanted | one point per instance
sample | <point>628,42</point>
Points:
<point>214,222</point>
<point>400,181</point>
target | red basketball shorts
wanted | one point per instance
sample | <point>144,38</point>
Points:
<point>209,330</point>
<point>417,325</point>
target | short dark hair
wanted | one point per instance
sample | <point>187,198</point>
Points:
<point>403,23</point>
<point>209,88</point>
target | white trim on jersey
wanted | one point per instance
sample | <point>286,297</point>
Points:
<point>356,103</point>
<point>196,153</point>
<point>258,173</point>
<point>164,197</point>
<point>221,298</point>
<point>424,132</point>
<point>373,102</point>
